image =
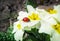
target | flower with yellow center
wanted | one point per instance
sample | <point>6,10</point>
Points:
<point>18,30</point>
<point>18,26</point>
<point>46,14</point>
<point>55,12</point>
<point>32,13</point>
<point>51,27</point>
<point>34,16</point>
<point>57,28</point>
<point>52,11</point>
<point>56,31</point>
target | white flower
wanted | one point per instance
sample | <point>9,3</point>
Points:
<point>51,27</point>
<point>56,33</point>
<point>18,30</point>
<point>45,14</point>
<point>33,15</point>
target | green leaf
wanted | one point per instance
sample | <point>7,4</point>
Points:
<point>33,35</point>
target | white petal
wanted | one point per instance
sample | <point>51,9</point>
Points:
<point>51,21</point>
<point>45,28</point>
<point>34,24</point>
<point>30,8</point>
<point>22,15</point>
<point>42,13</point>
<point>55,37</point>
<point>57,7</point>
<point>24,24</point>
<point>57,16</point>
<point>14,27</point>
<point>19,35</point>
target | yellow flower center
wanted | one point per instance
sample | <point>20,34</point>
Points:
<point>57,28</point>
<point>52,11</point>
<point>34,16</point>
<point>18,26</point>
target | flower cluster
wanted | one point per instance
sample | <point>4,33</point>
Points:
<point>47,21</point>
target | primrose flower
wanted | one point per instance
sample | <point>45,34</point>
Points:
<point>52,28</point>
<point>56,32</point>
<point>18,30</point>
<point>46,26</point>
<point>55,12</point>
<point>33,15</point>
<point>45,14</point>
